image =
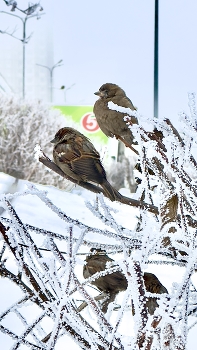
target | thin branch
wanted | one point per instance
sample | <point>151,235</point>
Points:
<point>22,341</point>
<point>127,144</point>
<point>26,269</point>
<point>91,244</point>
<point>85,304</point>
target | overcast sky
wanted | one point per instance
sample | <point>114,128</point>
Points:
<point>112,41</point>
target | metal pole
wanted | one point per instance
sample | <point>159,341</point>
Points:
<point>51,82</point>
<point>24,38</point>
<point>156,60</point>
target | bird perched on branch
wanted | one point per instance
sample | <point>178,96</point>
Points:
<point>112,121</point>
<point>116,282</point>
<point>76,156</point>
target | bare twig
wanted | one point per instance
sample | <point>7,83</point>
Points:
<point>127,144</point>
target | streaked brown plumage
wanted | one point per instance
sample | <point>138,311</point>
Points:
<point>110,121</point>
<point>153,285</point>
<point>116,282</point>
<point>76,156</point>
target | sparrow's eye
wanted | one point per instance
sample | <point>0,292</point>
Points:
<point>105,92</point>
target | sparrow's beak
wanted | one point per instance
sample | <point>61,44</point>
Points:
<point>53,141</point>
<point>102,94</point>
<point>98,93</point>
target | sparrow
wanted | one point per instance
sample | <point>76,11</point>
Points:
<point>76,156</point>
<point>116,282</point>
<point>111,284</point>
<point>111,122</point>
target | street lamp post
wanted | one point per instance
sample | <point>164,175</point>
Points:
<point>66,89</point>
<point>51,69</point>
<point>156,60</point>
<point>23,40</point>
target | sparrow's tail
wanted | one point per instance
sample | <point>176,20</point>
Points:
<point>110,192</point>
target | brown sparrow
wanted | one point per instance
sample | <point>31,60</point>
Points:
<point>111,121</point>
<point>111,284</point>
<point>76,156</point>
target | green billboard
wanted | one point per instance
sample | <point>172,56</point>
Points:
<point>84,116</point>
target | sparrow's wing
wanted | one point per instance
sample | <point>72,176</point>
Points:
<point>66,152</point>
<point>82,159</point>
<point>90,168</point>
<point>152,284</point>
<point>86,148</point>
<point>93,266</point>
<point>117,280</point>
<point>76,148</point>
<point>123,101</point>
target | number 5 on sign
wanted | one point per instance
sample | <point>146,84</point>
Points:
<point>89,123</point>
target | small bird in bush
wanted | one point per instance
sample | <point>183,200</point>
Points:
<point>111,284</point>
<point>116,282</point>
<point>76,156</point>
<point>110,121</point>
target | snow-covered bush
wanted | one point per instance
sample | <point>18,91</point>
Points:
<point>23,124</point>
